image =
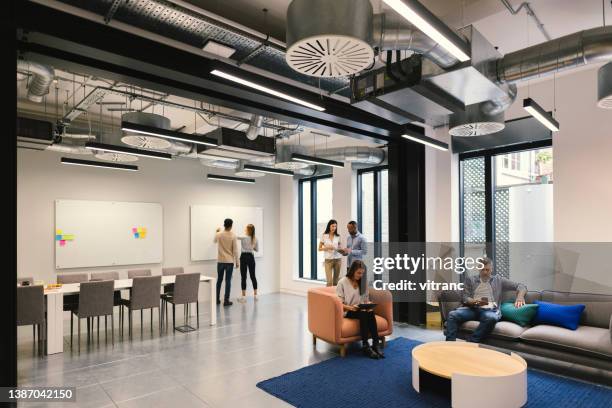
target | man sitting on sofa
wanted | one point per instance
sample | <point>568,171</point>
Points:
<point>481,297</point>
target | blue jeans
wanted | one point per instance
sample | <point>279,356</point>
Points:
<point>227,269</point>
<point>487,318</point>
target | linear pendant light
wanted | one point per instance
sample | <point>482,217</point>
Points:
<point>265,89</point>
<point>127,150</point>
<point>540,114</point>
<point>315,160</point>
<point>92,163</point>
<point>424,20</point>
<point>427,141</point>
<point>218,177</point>
<point>166,134</point>
<point>269,170</point>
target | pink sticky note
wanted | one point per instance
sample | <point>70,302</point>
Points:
<point>63,242</point>
<point>134,230</point>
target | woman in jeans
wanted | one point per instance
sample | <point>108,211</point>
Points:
<point>352,293</point>
<point>330,243</point>
<point>247,261</point>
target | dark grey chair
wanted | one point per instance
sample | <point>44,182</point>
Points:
<point>28,281</point>
<point>96,299</point>
<point>111,275</point>
<point>71,302</point>
<point>186,287</point>
<point>31,311</point>
<point>144,295</point>
<point>134,273</point>
<point>175,270</point>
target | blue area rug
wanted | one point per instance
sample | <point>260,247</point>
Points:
<point>356,381</point>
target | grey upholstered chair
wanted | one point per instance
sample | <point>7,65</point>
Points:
<point>134,273</point>
<point>111,275</point>
<point>28,281</point>
<point>144,295</point>
<point>186,287</point>
<point>175,270</point>
<point>96,299</point>
<point>31,310</point>
<point>71,302</point>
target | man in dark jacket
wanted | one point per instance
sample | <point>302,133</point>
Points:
<point>481,298</point>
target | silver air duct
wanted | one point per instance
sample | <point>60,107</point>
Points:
<point>254,127</point>
<point>218,163</point>
<point>283,157</point>
<point>354,154</point>
<point>570,51</point>
<point>69,149</point>
<point>604,86</point>
<point>329,38</point>
<point>42,76</point>
<point>392,32</point>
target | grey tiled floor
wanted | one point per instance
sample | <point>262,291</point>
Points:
<point>216,366</point>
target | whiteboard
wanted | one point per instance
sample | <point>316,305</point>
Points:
<point>107,233</point>
<point>205,219</point>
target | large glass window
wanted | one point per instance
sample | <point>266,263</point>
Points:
<point>507,197</point>
<point>315,210</point>
<point>373,204</point>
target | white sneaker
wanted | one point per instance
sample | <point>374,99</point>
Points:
<point>242,299</point>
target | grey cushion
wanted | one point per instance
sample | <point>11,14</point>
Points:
<point>72,278</point>
<point>145,292</point>
<point>598,308</point>
<point>186,287</point>
<point>96,298</point>
<point>586,340</point>
<point>176,270</point>
<point>504,330</point>
<point>98,276</point>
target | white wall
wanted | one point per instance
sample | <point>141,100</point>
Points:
<point>41,179</point>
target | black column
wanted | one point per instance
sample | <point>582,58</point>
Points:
<point>407,211</point>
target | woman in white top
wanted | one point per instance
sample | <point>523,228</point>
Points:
<point>353,292</point>
<point>247,260</point>
<point>330,243</point>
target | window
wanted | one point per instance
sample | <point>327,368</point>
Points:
<point>506,197</point>
<point>373,203</point>
<point>315,210</point>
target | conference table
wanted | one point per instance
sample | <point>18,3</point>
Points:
<point>55,307</point>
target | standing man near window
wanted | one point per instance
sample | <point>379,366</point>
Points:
<point>356,245</point>
<point>227,257</point>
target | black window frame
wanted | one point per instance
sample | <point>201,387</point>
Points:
<point>313,225</point>
<point>377,200</point>
<point>489,156</point>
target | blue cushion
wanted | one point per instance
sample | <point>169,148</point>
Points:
<point>567,316</point>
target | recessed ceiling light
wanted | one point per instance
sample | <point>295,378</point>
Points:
<point>167,134</point>
<point>92,163</point>
<point>315,160</point>
<point>427,141</point>
<point>127,150</point>
<point>270,170</point>
<point>216,48</point>
<point>217,177</point>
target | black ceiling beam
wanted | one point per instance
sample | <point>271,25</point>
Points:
<point>70,42</point>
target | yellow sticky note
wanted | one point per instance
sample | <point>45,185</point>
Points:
<point>143,235</point>
<point>58,232</point>
<point>68,237</point>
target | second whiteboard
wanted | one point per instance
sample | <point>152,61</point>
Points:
<point>205,219</point>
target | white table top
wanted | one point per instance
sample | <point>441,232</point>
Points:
<point>71,288</point>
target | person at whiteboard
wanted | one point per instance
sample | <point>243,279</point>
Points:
<point>249,245</point>
<point>227,258</point>
<point>330,244</point>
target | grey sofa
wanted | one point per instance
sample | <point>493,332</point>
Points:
<point>585,353</point>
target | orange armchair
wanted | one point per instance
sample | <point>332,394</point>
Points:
<point>326,320</point>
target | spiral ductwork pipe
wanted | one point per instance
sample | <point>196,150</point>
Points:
<point>354,154</point>
<point>42,76</point>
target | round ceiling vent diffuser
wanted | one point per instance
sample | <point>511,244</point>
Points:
<point>146,142</point>
<point>141,141</point>
<point>476,129</point>
<point>330,56</point>
<point>329,38</point>
<point>116,157</point>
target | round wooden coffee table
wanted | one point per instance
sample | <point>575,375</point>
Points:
<point>471,375</point>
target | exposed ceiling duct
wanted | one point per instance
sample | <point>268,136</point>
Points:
<point>604,86</point>
<point>69,149</point>
<point>329,38</point>
<point>283,157</point>
<point>254,127</point>
<point>42,77</point>
<point>354,154</point>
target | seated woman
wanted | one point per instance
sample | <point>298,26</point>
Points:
<point>352,293</point>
